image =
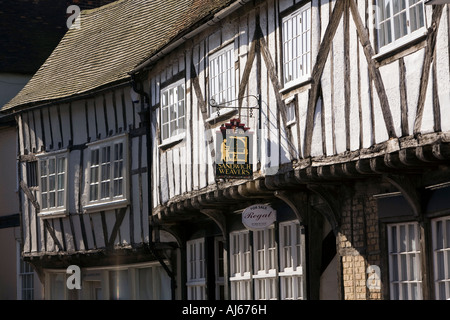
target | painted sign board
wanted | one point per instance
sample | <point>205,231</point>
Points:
<point>258,217</point>
<point>234,151</point>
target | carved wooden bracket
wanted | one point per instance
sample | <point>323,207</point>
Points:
<point>408,186</point>
<point>219,218</point>
<point>330,196</point>
<point>296,201</point>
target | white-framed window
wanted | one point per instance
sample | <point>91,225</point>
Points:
<point>290,113</point>
<point>292,244</point>
<point>119,285</point>
<point>264,276</point>
<point>222,79</point>
<point>398,20</point>
<point>196,269</point>
<point>404,261</point>
<point>296,35</point>
<point>107,173</point>
<point>173,112</point>
<point>53,183</point>
<point>265,269</point>
<point>25,288</point>
<point>240,263</point>
<point>141,281</point>
<point>441,257</point>
<point>56,286</point>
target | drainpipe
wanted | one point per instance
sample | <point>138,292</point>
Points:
<point>146,119</point>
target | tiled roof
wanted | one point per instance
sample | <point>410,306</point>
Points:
<point>111,41</point>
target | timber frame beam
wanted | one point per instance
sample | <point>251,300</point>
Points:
<point>320,176</point>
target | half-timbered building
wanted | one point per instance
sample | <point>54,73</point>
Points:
<point>347,105</point>
<point>331,116</point>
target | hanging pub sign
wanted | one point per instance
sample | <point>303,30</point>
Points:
<point>258,217</point>
<point>234,151</point>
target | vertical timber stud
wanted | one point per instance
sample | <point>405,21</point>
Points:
<point>373,70</point>
<point>428,59</point>
<point>317,72</point>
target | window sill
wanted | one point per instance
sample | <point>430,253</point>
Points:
<point>295,84</point>
<point>53,214</point>
<point>262,274</point>
<point>287,272</point>
<point>110,205</point>
<point>290,123</point>
<point>171,142</point>
<point>401,45</point>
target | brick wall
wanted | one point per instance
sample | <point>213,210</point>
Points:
<point>359,242</point>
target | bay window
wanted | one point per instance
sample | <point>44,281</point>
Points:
<point>404,261</point>
<point>441,257</point>
<point>265,264</point>
<point>292,240</point>
<point>240,258</point>
<point>53,184</point>
<point>271,267</point>
<point>107,172</point>
<point>196,270</point>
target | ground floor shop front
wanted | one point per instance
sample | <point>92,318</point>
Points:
<point>382,237</point>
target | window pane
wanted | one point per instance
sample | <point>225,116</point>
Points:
<point>402,238</point>
<point>400,26</point>
<point>395,295</point>
<point>165,131</point>
<point>393,239</point>
<point>43,168</point>
<point>44,203</point>
<point>412,238</point>
<point>104,190</point>
<point>94,157</point>
<point>447,232</point>
<point>51,166</point>
<point>51,202</point>
<point>51,182</point>
<point>439,235</point>
<point>440,265</point>
<point>61,181</point>
<point>43,184</point>
<point>118,151</point>
<point>441,290</point>
<point>60,198</point>
<point>118,185</point>
<point>399,5</point>
<point>61,165</point>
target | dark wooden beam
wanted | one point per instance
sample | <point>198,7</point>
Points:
<point>364,39</point>
<point>428,59</point>
<point>317,72</point>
